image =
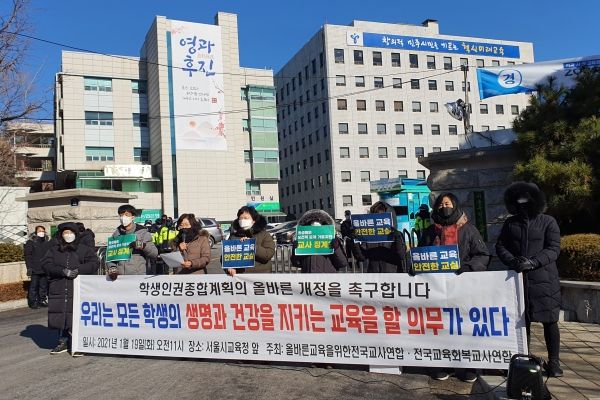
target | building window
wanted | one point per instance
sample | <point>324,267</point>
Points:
<point>340,80</point>
<point>366,200</point>
<point>379,105</point>
<point>98,118</point>
<point>347,200</point>
<point>247,158</point>
<point>381,129</point>
<point>397,83</point>
<point>449,86</point>
<point>365,176</point>
<point>358,57</point>
<point>140,120</point>
<point>436,150</point>
<point>342,104</point>
<point>464,62</point>
<point>419,152</point>
<point>400,129</point>
<point>415,84</point>
<point>97,84</point>
<point>447,63</point>
<point>141,87</point>
<point>344,152</point>
<point>326,154</point>
<point>468,86</point>
<point>416,106</point>
<point>359,81</point>
<point>413,60</point>
<point>338,55</point>
<point>395,59</point>
<point>495,63</point>
<point>362,128</point>
<point>99,153</point>
<point>433,107</point>
<point>382,152</point>
<point>418,129</point>
<point>378,82</point>
<point>398,106</point>
<point>499,109</point>
<point>500,127</point>
<point>361,105</point>
<point>384,174</point>
<point>402,173</point>
<point>141,154</point>
<point>485,128</point>
<point>363,152</point>
<point>514,110</point>
<point>401,152</point>
<point>377,60</point>
<point>420,174</point>
<point>343,128</point>
<point>480,63</point>
<point>435,129</point>
<point>452,130</point>
<point>483,108</point>
<point>253,188</point>
<point>432,84</point>
<point>346,176</point>
<point>430,62</point>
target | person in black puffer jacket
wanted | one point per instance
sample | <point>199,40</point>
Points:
<point>35,249</point>
<point>65,260</point>
<point>530,243</point>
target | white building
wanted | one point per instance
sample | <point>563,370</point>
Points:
<point>363,102</point>
<point>185,107</point>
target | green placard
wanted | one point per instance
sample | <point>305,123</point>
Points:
<point>314,240</point>
<point>118,249</point>
<point>479,211</point>
<point>146,215</point>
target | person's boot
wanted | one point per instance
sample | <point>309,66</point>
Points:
<point>43,303</point>
<point>553,369</point>
<point>34,305</point>
<point>61,347</point>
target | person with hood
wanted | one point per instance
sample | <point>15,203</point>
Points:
<point>451,226</point>
<point>314,264</point>
<point>251,225</point>
<point>142,249</point>
<point>347,233</point>
<point>64,261</point>
<point>35,249</point>
<point>529,243</point>
<point>423,220</point>
<point>385,257</point>
<point>193,243</point>
<point>86,236</point>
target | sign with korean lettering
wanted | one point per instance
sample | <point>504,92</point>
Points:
<point>118,249</point>
<point>149,215</point>
<point>437,45</point>
<point>239,253</point>
<point>314,240</point>
<point>428,259</point>
<point>196,79</point>
<point>373,228</point>
<point>471,320</point>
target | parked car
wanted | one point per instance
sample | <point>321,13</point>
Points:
<point>282,227</point>
<point>285,236</point>
<point>214,229</point>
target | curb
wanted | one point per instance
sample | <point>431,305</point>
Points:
<point>13,304</point>
<point>493,386</point>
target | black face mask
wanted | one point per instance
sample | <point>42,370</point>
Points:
<point>446,212</point>
<point>186,234</point>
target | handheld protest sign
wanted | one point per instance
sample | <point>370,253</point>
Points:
<point>238,253</point>
<point>439,259</point>
<point>373,228</point>
<point>118,249</point>
<point>151,215</point>
<point>314,240</point>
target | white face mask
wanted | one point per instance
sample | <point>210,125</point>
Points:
<point>126,220</point>
<point>522,200</point>
<point>316,224</point>
<point>41,234</point>
<point>245,223</point>
<point>69,237</point>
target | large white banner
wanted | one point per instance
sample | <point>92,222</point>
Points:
<point>523,78</point>
<point>197,86</point>
<point>472,320</point>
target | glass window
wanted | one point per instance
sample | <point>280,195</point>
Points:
<point>397,83</point>
<point>377,60</point>
<point>384,174</point>
<point>398,106</point>
<point>499,109</point>
<point>342,104</point>
<point>362,128</point>
<point>402,173</point>
<point>347,200</point>
<point>452,130</point>
<point>99,153</point>
<point>420,174</point>
<point>430,62</point>
<point>514,110</point>
<point>395,59</point>
<point>98,118</point>
<point>343,128</point>
<point>453,148</point>
<point>447,63</point>
<point>483,108</point>
<point>378,82</point>
<point>338,55</point>
<point>433,107</point>
<point>480,63</point>
<point>382,152</point>
<point>247,157</point>
<point>365,176</point>
<point>344,152</point>
<point>464,61</point>
<point>401,152</point>
<point>485,128</point>
<point>381,129</point>
<point>432,84</point>
<point>413,60</point>
<point>346,176</point>
<point>141,154</point>
<point>358,57</point>
<point>419,152</point>
<point>363,152</point>
<point>418,129</point>
<point>435,129</point>
<point>500,127</point>
<point>359,81</point>
<point>468,86</point>
<point>366,200</point>
<point>379,105</point>
<point>361,105</point>
<point>141,87</point>
<point>97,84</point>
<point>495,63</point>
<point>140,120</point>
<point>415,84</point>
<point>449,86</point>
<point>253,188</point>
<point>416,106</point>
<point>400,129</point>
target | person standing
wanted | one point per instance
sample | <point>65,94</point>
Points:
<point>64,261</point>
<point>192,241</point>
<point>423,220</point>
<point>529,243</point>
<point>86,236</point>
<point>347,230</point>
<point>35,249</point>
<point>251,225</point>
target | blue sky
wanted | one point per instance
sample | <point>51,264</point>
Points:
<point>270,31</point>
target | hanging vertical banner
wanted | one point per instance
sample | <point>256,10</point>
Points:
<point>511,79</point>
<point>198,90</point>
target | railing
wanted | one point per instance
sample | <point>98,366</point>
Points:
<point>101,253</point>
<point>13,234</point>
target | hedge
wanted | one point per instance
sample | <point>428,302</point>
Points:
<point>580,257</point>
<point>11,253</point>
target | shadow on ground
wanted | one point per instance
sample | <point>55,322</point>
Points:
<point>43,337</point>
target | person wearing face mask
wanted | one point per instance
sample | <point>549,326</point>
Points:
<point>64,261</point>
<point>192,241</point>
<point>347,233</point>
<point>529,243</point>
<point>35,249</point>
<point>451,226</point>
<point>142,249</point>
<point>251,225</point>
<point>314,264</point>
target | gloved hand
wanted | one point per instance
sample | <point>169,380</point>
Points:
<point>459,271</point>
<point>113,273</point>
<point>70,273</point>
<point>28,271</point>
<point>137,245</point>
<point>526,264</point>
<point>410,271</point>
